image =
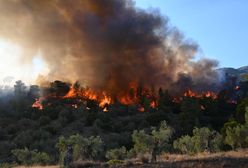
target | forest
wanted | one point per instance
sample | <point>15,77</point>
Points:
<point>32,135</point>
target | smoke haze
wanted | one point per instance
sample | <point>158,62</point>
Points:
<point>105,44</point>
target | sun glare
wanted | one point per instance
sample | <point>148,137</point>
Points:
<point>12,67</point>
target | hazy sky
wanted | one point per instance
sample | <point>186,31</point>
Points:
<point>220,27</point>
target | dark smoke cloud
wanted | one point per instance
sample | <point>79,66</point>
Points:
<point>104,43</point>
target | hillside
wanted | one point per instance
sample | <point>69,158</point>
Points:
<point>239,72</point>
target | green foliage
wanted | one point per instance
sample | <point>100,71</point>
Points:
<point>185,144</point>
<point>157,141</point>
<point>246,115</point>
<point>203,139</point>
<point>240,111</point>
<point>189,116</point>
<point>117,154</point>
<point>83,148</point>
<point>142,141</point>
<point>236,134</point>
<point>162,136</point>
<point>27,157</point>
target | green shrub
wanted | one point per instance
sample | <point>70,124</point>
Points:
<point>203,139</point>
<point>83,148</point>
<point>158,138</point>
<point>117,154</point>
<point>27,157</point>
<point>236,134</point>
<point>185,144</point>
<point>7,165</point>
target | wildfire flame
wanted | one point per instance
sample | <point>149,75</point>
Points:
<point>38,103</point>
<point>134,95</point>
<point>101,97</point>
<point>208,94</point>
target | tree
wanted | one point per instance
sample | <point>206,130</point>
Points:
<point>142,142</point>
<point>83,148</point>
<point>27,157</point>
<point>240,111</point>
<point>59,88</point>
<point>185,144</point>
<point>20,89</point>
<point>189,116</point>
<point>160,139</point>
<point>34,92</point>
<point>206,140</point>
<point>155,142</point>
<point>236,134</point>
<point>203,139</point>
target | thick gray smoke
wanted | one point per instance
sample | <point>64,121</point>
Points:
<point>105,43</point>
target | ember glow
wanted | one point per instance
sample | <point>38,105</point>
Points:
<point>209,94</point>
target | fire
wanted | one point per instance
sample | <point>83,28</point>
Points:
<point>105,109</point>
<point>153,104</point>
<point>141,109</point>
<point>208,94</point>
<point>38,103</point>
<point>134,95</point>
<point>101,97</point>
<point>71,93</point>
<point>106,100</point>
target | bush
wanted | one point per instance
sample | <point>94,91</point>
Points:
<point>157,140</point>
<point>142,141</point>
<point>27,157</point>
<point>117,154</point>
<point>203,139</point>
<point>206,140</point>
<point>236,134</point>
<point>185,144</point>
<point>83,148</point>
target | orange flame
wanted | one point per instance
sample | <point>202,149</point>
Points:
<point>101,97</point>
<point>153,104</point>
<point>134,95</point>
<point>106,100</point>
<point>38,103</point>
<point>208,94</point>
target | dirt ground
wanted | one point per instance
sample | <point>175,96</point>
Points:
<point>232,159</point>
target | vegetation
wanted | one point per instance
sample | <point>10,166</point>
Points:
<point>44,136</point>
<point>27,157</point>
<point>203,139</point>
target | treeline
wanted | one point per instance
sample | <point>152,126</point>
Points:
<point>32,136</point>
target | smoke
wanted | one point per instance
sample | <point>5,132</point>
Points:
<point>104,44</point>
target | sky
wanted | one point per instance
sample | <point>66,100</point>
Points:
<point>220,27</point>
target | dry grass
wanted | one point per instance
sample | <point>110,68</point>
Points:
<point>232,159</point>
<point>231,154</point>
<point>37,167</point>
